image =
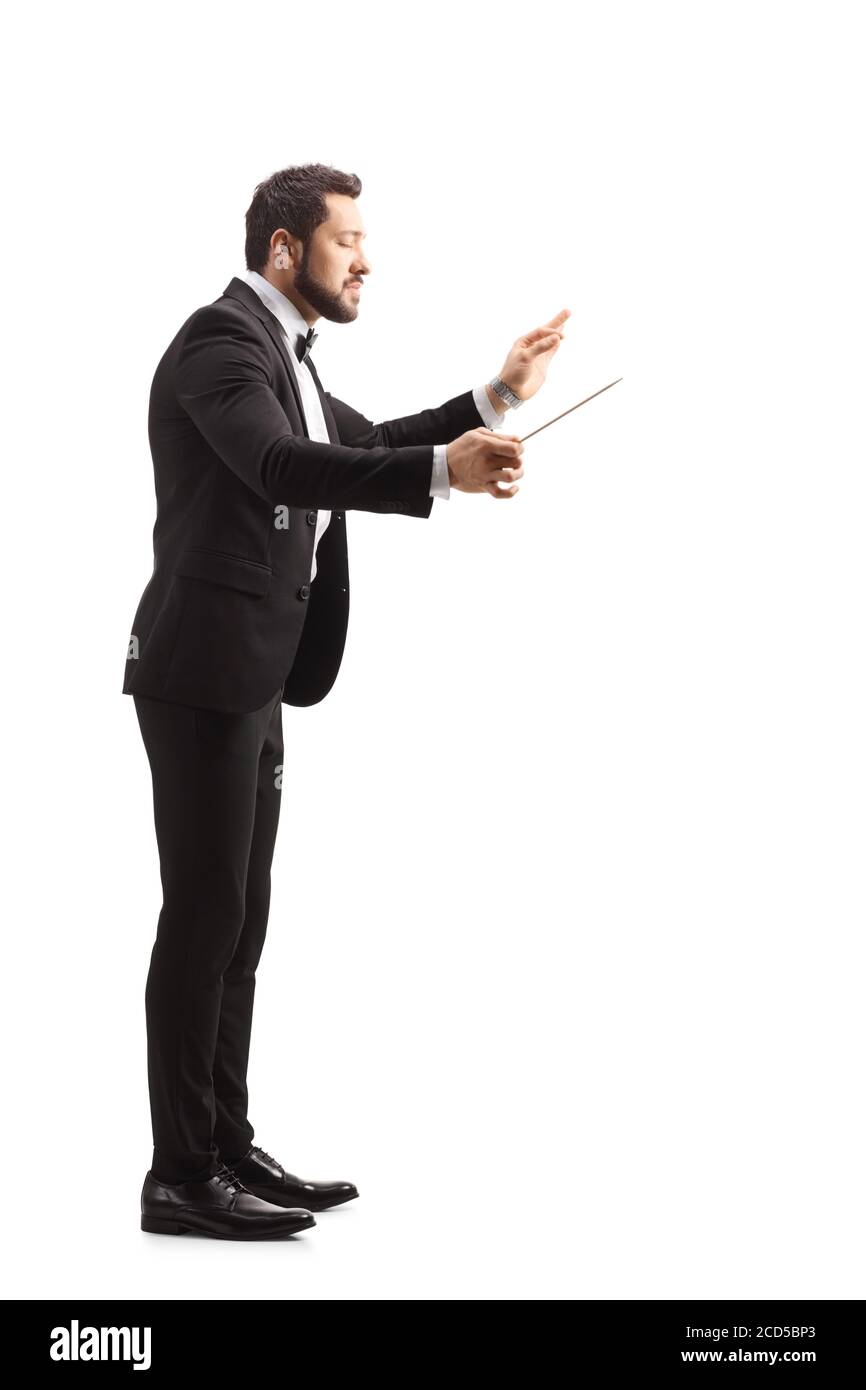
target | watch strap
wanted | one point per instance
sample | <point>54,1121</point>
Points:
<point>505,393</point>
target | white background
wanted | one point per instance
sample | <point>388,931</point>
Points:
<point>565,961</point>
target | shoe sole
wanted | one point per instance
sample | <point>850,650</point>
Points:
<point>161,1225</point>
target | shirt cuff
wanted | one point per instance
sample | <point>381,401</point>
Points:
<point>439,483</point>
<point>488,412</point>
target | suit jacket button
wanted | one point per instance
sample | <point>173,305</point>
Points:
<point>311,518</point>
<point>304,591</point>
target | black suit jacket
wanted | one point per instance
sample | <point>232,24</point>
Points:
<point>229,614</point>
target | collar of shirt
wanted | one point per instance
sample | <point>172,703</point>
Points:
<point>291,319</point>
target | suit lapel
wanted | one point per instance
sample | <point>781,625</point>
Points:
<point>245,294</point>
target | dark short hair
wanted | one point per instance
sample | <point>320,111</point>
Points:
<point>293,198</point>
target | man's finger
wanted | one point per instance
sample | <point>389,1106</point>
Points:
<point>505,448</point>
<point>537,333</point>
<point>496,491</point>
<point>504,475</point>
<point>543,344</point>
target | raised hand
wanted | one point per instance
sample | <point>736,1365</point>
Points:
<point>526,364</point>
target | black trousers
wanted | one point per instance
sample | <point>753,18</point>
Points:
<point>217,782</point>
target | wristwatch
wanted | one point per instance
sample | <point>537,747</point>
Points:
<point>505,393</point>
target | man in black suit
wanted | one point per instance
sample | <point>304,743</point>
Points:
<point>256,467</point>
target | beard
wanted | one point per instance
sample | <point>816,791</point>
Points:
<point>320,297</point>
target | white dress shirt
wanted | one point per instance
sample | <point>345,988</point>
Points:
<point>292,323</point>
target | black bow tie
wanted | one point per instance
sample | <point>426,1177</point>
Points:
<point>304,343</point>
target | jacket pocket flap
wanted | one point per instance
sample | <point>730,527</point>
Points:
<point>231,570</point>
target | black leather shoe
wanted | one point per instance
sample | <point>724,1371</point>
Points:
<point>219,1206</point>
<point>261,1173</point>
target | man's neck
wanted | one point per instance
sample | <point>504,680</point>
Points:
<point>306,312</point>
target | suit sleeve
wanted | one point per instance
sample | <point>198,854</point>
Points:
<point>223,384</point>
<point>436,426</point>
